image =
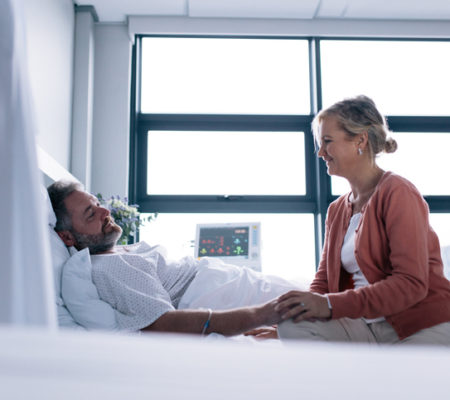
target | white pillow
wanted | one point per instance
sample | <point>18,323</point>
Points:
<point>80,294</point>
<point>60,254</point>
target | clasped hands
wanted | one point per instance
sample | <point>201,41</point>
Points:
<point>302,306</point>
<point>297,305</point>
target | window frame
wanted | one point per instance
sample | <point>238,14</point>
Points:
<point>221,203</point>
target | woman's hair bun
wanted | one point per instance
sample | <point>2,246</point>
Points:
<point>390,145</point>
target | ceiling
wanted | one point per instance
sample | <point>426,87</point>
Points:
<point>119,10</point>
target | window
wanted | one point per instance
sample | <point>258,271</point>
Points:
<point>223,133</point>
<point>403,77</point>
<point>225,76</point>
<point>223,163</point>
<point>418,157</point>
<point>440,222</point>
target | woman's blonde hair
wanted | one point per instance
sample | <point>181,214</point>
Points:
<point>358,115</point>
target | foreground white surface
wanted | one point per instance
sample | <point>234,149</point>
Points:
<point>79,365</point>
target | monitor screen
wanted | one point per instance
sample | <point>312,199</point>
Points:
<point>223,242</point>
<point>233,243</point>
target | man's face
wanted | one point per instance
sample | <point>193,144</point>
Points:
<point>92,225</point>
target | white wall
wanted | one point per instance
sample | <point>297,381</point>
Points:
<point>111,122</point>
<point>50,40</point>
<point>289,27</point>
<point>83,95</point>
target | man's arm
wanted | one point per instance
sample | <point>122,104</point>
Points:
<point>227,323</point>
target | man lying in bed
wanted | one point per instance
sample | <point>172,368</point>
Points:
<point>151,293</point>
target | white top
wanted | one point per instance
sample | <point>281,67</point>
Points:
<point>140,283</point>
<point>348,259</point>
<point>348,254</point>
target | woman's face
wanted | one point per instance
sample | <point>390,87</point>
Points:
<point>337,149</point>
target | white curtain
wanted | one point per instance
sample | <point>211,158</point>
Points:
<point>26,288</point>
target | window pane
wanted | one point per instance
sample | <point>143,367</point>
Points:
<point>287,240</point>
<point>441,225</point>
<point>402,77</point>
<point>339,186</point>
<point>225,76</point>
<point>420,157</point>
<point>238,163</point>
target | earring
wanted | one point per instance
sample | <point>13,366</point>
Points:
<point>360,152</point>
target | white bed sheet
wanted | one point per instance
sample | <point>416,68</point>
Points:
<point>81,365</point>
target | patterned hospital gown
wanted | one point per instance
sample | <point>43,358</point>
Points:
<point>140,284</point>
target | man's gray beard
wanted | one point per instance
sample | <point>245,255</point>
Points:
<point>97,243</point>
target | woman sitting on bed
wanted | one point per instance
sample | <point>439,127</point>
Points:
<point>380,278</point>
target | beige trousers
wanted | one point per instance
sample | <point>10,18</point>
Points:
<point>357,330</point>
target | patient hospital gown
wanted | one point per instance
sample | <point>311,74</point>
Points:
<point>142,284</point>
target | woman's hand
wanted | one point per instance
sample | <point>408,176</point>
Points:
<point>303,305</point>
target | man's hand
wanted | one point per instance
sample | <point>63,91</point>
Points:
<point>302,306</point>
<point>269,332</point>
<point>268,314</point>
<point>225,322</point>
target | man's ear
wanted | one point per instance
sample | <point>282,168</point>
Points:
<point>67,238</point>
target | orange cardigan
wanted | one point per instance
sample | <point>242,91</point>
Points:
<point>399,254</point>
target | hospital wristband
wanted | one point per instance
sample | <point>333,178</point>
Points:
<point>206,325</point>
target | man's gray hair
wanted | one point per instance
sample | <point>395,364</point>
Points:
<point>58,192</point>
